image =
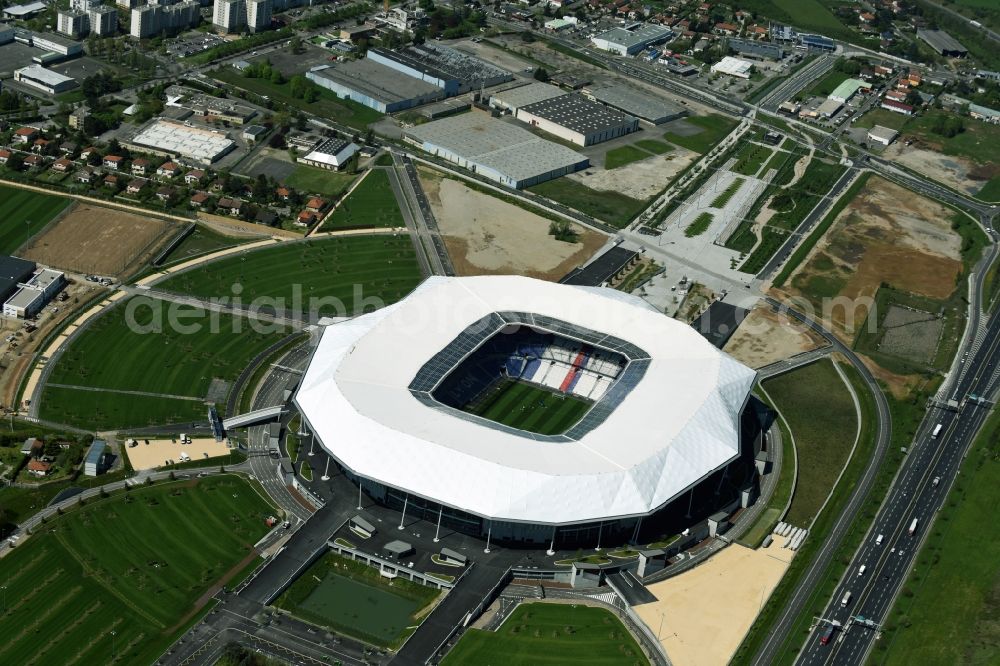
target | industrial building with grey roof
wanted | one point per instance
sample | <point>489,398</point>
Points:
<point>375,85</point>
<point>513,99</point>
<point>577,119</point>
<point>172,139</point>
<point>452,70</point>
<point>498,150</point>
<point>943,43</point>
<point>637,103</point>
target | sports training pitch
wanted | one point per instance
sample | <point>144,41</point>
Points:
<point>359,271</point>
<point>540,633</point>
<point>353,598</point>
<point>24,213</point>
<point>134,564</point>
<point>160,366</point>
<point>530,407</point>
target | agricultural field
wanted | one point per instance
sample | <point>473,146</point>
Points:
<point>371,204</point>
<point>311,180</point>
<point>712,130</point>
<point>117,580</point>
<point>819,410</point>
<point>352,598</point>
<point>23,213</point>
<point>202,241</point>
<point>540,633</point>
<point>345,275</point>
<point>948,610</point>
<point>528,407</point>
<point>97,240</point>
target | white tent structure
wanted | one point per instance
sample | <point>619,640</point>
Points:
<point>667,422</point>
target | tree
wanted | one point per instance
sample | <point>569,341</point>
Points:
<point>541,75</point>
<point>295,45</point>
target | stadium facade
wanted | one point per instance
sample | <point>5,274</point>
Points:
<point>396,397</point>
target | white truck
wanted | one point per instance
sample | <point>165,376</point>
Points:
<point>913,527</point>
<point>937,430</point>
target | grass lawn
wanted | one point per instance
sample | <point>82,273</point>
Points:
<point>883,117</point>
<point>771,240</point>
<point>618,157</point>
<point>22,211</point>
<point>311,180</point>
<point>349,274</point>
<point>699,226</point>
<point>203,241</point>
<point>352,598</point>
<point>819,411</point>
<point>990,191</point>
<point>612,207</point>
<point>132,564</point>
<point>371,204</point>
<point>329,105</point>
<point>978,142</point>
<point>714,128</point>
<point>750,158</point>
<point>826,85</point>
<point>807,15</point>
<point>723,198</point>
<point>529,407</point>
<point>654,146</point>
<point>948,611</point>
<point>94,410</point>
<point>540,633</point>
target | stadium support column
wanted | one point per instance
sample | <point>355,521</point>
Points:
<point>326,473</point>
<point>437,532</point>
<point>489,534</point>
<point>635,532</point>
<point>725,473</point>
<point>690,502</point>
<point>600,531</point>
<point>406,501</point>
<point>552,546</point>
<point>359,494</point>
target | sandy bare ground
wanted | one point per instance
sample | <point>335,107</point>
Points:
<point>886,235</point>
<point>639,180</point>
<point>766,337</point>
<point>488,236</point>
<point>93,239</point>
<point>702,615</point>
<point>160,452</point>
<point>950,170</point>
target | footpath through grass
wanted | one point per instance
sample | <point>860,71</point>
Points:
<point>134,564</point>
<point>203,241</point>
<point>820,413</point>
<point>328,276</point>
<point>541,633</point>
<point>371,204</point>
<point>948,610</point>
<point>24,213</point>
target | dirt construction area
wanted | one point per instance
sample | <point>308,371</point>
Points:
<point>961,174</point>
<point>639,180</point>
<point>160,452</point>
<point>765,337</point>
<point>486,235</point>
<point>96,240</point>
<point>702,615</point>
<point>886,235</point>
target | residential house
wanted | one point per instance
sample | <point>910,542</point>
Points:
<point>283,193</point>
<point>164,193</point>
<point>39,468</point>
<point>168,170</point>
<point>34,161</point>
<point>306,219</point>
<point>266,217</point>
<point>113,162</point>
<point>199,199</point>
<point>194,176</point>
<point>62,165</point>
<point>87,152</point>
<point>4,155</point>
<point>230,206</point>
<point>111,180</point>
<point>25,135</point>
<point>39,145</point>
<point>136,186</point>
<point>85,175</point>
<point>140,166</point>
<point>68,147</point>
<point>316,205</point>
<point>32,447</point>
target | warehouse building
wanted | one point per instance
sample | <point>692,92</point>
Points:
<point>43,79</point>
<point>755,49</point>
<point>943,43</point>
<point>637,103</point>
<point>497,150</point>
<point>93,463</point>
<point>848,89</point>
<point>452,70</point>
<point>882,135</point>
<point>6,34</point>
<point>375,85</point>
<point>332,154</point>
<point>59,47</point>
<point>170,139</point>
<point>13,271</point>
<point>31,296</point>
<point>577,119</point>
<point>733,67</point>
<point>632,39</point>
<point>513,99</point>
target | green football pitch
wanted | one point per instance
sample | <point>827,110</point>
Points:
<point>22,213</point>
<point>530,407</point>
<point>116,581</point>
<point>539,633</point>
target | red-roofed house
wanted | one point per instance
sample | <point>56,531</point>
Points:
<point>25,135</point>
<point>306,218</point>
<point>168,169</point>
<point>62,165</point>
<point>39,468</point>
<point>113,162</point>
<point>316,205</point>
<point>4,156</point>
<point>898,107</point>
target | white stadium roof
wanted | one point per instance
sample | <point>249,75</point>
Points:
<point>679,423</point>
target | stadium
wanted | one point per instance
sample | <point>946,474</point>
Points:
<point>531,412</point>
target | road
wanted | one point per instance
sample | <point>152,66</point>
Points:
<point>948,10</point>
<point>809,73</point>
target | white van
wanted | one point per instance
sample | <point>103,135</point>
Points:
<point>846,600</point>
<point>878,540</point>
<point>861,570</point>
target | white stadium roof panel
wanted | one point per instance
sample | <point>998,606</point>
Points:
<point>679,423</point>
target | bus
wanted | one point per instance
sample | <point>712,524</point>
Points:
<point>937,430</point>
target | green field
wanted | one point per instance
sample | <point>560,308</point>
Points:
<point>807,15</point>
<point>713,127</point>
<point>818,409</point>
<point>612,207</point>
<point>23,212</point>
<point>310,180</point>
<point>540,633</point>
<point>156,359</point>
<point>700,225</point>
<point>978,142</point>
<point>203,241</point>
<point>883,117</point>
<point>723,198</point>
<point>750,158</point>
<point>653,146</point>
<point>351,274</point>
<point>371,204</point>
<point>117,580</point>
<point>825,86</point>
<point>622,155</point>
<point>990,191</point>
<point>352,598</point>
<point>530,407</point>
<point>947,613</point>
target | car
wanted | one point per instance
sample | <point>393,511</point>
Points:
<point>936,481</point>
